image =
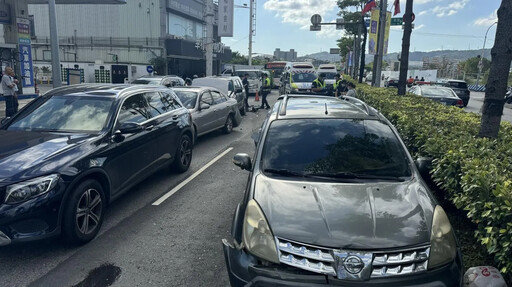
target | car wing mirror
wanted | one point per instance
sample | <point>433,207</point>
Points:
<point>130,128</point>
<point>424,164</point>
<point>204,106</point>
<point>242,160</point>
<point>239,90</point>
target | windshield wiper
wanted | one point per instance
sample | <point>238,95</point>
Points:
<point>350,175</point>
<point>284,172</point>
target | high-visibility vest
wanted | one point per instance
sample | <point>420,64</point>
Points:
<point>336,84</point>
<point>319,84</point>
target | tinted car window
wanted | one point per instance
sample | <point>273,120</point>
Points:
<point>187,98</point>
<point>67,113</point>
<point>147,82</point>
<point>134,109</point>
<point>206,98</point>
<point>329,75</point>
<point>437,92</point>
<point>238,84</point>
<point>303,77</point>
<point>333,146</point>
<point>230,86</point>
<point>459,85</point>
<point>159,103</point>
<point>217,97</point>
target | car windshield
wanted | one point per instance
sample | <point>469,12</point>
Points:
<point>334,147</point>
<point>458,85</point>
<point>303,77</point>
<point>253,75</point>
<point>437,92</point>
<point>329,75</point>
<point>187,98</point>
<point>66,114</point>
<point>147,82</point>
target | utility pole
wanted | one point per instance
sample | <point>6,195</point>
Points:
<point>480,63</point>
<point>209,37</point>
<point>353,67</point>
<point>357,51</point>
<point>406,44</point>
<point>363,50</point>
<point>251,23</point>
<point>56,77</point>
<point>380,42</point>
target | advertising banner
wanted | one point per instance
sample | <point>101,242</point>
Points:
<point>225,27</point>
<point>386,35</point>
<point>373,31</point>
<point>25,49</point>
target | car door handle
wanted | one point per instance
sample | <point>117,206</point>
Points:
<point>175,117</point>
<point>148,128</point>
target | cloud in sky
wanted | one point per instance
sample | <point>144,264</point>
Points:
<point>487,21</point>
<point>450,9</point>
<point>299,12</point>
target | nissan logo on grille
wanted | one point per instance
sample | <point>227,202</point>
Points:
<point>353,264</point>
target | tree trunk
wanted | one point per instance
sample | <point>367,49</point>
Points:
<point>363,51</point>
<point>501,57</point>
<point>406,43</point>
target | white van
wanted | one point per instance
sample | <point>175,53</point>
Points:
<point>254,79</point>
<point>330,73</point>
<point>297,77</point>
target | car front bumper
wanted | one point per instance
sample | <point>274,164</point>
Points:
<point>245,270</point>
<point>31,220</point>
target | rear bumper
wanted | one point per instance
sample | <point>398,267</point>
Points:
<point>245,270</point>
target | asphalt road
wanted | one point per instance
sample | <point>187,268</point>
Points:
<point>177,243</point>
<point>476,101</point>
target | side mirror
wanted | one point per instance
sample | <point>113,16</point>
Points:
<point>242,160</point>
<point>204,106</point>
<point>256,137</point>
<point>424,164</point>
<point>130,128</point>
<point>239,90</point>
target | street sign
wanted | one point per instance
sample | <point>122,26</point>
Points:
<point>397,21</point>
<point>149,69</point>
<point>316,19</point>
<point>339,23</point>
<point>335,51</point>
<point>315,28</point>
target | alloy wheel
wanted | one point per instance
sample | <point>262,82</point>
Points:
<point>185,152</point>
<point>89,211</point>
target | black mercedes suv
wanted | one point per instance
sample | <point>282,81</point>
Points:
<point>66,155</point>
<point>334,197</point>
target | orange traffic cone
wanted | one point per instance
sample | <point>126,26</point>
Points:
<point>256,98</point>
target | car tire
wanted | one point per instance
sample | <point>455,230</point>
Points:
<point>228,126</point>
<point>84,212</point>
<point>183,155</point>
<point>242,111</point>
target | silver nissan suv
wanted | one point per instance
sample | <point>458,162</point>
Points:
<point>334,198</point>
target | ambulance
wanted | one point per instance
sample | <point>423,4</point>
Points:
<point>297,77</point>
<point>330,73</point>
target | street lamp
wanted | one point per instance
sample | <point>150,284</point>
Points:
<point>480,63</point>
<point>251,31</point>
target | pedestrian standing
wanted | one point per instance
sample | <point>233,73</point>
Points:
<point>337,86</point>
<point>8,86</point>
<point>265,90</point>
<point>351,90</point>
<point>245,83</point>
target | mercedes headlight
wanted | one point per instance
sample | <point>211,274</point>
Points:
<point>443,248</point>
<point>257,237</point>
<point>26,190</point>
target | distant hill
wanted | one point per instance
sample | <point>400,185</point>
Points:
<point>457,55</point>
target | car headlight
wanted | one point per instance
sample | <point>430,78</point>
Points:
<point>257,237</point>
<point>443,247</point>
<point>26,190</point>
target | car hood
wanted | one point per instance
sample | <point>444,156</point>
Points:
<point>21,151</point>
<point>347,215</point>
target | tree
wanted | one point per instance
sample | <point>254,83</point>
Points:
<point>354,29</point>
<point>158,64</point>
<point>501,57</point>
<point>345,44</point>
<point>237,58</point>
<point>470,66</point>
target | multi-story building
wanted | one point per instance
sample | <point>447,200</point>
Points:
<point>115,43</point>
<point>285,55</point>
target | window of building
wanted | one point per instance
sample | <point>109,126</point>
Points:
<point>184,27</point>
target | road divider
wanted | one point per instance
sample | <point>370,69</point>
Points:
<point>190,178</point>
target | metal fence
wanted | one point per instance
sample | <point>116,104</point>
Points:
<point>104,42</point>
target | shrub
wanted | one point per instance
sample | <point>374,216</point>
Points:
<point>475,173</point>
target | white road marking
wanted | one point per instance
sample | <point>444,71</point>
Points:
<point>190,178</point>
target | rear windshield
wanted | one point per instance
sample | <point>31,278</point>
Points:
<point>303,77</point>
<point>329,75</point>
<point>147,82</point>
<point>437,92</point>
<point>332,148</point>
<point>187,98</point>
<point>459,85</point>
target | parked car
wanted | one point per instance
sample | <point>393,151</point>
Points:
<point>211,110</point>
<point>334,198</point>
<point>254,79</point>
<point>391,82</point>
<point>229,85</point>
<point>443,95</point>
<point>168,81</point>
<point>461,89</point>
<point>66,155</point>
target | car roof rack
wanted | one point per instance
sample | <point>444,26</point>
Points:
<point>369,110</point>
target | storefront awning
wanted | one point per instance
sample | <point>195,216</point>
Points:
<point>79,1</point>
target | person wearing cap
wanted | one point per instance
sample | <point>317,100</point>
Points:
<point>351,90</point>
<point>318,84</point>
<point>265,90</point>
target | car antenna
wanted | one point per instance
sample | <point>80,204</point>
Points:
<point>326,112</point>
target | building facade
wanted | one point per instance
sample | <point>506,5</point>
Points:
<point>285,55</point>
<point>115,43</point>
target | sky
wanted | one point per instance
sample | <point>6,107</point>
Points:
<point>439,25</point>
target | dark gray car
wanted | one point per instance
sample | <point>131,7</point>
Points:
<point>334,197</point>
<point>211,110</point>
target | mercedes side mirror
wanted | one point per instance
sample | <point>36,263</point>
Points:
<point>204,106</point>
<point>242,160</point>
<point>130,128</point>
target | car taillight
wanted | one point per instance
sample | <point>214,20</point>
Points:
<point>460,104</point>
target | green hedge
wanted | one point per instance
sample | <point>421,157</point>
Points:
<point>475,173</point>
